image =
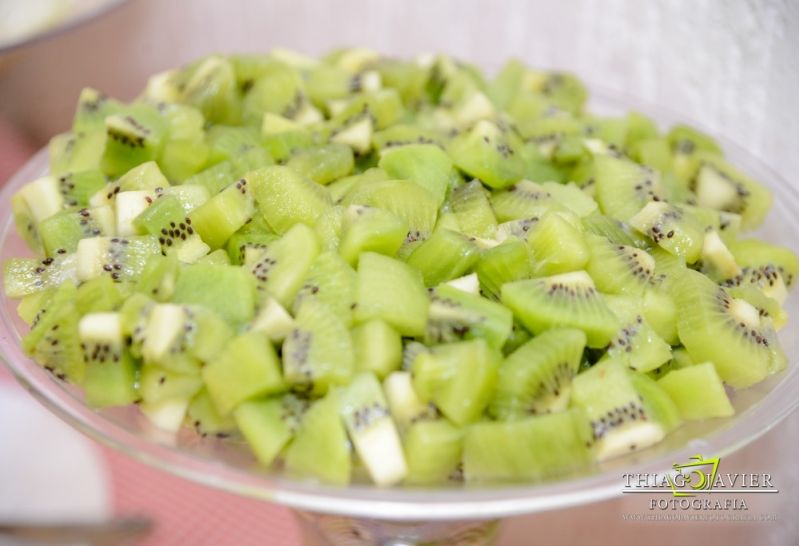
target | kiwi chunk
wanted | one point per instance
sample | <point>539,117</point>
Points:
<point>718,185</point>
<point>570,299</point>
<point>370,229</point>
<point>390,290</point>
<point>622,187</point>
<point>455,314</point>
<point>285,198</point>
<point>247,367</point>
<point>432,451</point>
<point>223,214</point>
<point>227,290</point>
<point>485,153</point>
<point>504,263</point>
<point>321,431</point>
<point>627,411</point>
<point>522,200</point>
<point>458,378</point>
<point>536,378</point>
<point>268,424</point>
<point>473,210</point>
<point>317,353</point>
<point>377,348</point>
<point>134,135</point>
<point>636,344</point>
<point>557,245</point>
<point>24,276</point>
<point>672,229</point>
<point>713,326</point>
<point>280,269</point>
<point>531,448</point>
<point>110,375</point>
<point>697,391</point>
<point>445,255</point>
<point>617,268</point>
<point>374,435</point>
<point>406,200</point>
<point>53,339</point>
<point>425,164</point>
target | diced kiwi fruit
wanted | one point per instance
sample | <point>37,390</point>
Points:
<point>623,187</point>
<point>636,344</point>
<point>617,268</point>
<point>536,378</point>
<point>455,314</point>
<point>473,210</point>
<point>224,213</point>
<point>535,447</point>
<point>370,229</point>
<point>377,347</point>
<point>180,338</point>
<point>615,231</point>
<point>321,431</point>
<point>317,353</point>
<point>697,391</point>
<point>203,416</point>
<point>713,326</point>
<point>627,411</point>
<point>756,254</point>
<point>370,268</point>
<point>557,245</point>
<point>407,200</point>
<point>53,339</point>
<point>432,451</point>
<point>246,367</point>
<point>569,299</point>
<point>374,434</point>
<point>24,276</point>
<point>425,164</point>
<point>485,153</point>
<point>525,199</point>
<point>110,375</point>
<point>211,87</point>
<point>445,255</point>
<point>458,378</point>
<point>225,289</point>
<point>134,135</point>
<point>324,164</point>
<point>285,198</point>
<point>672,229</point>
<point>166,219</point>
<point>280,269</point>
<point>99,295</point>
<point>718,185</point>
<point>268,424</point>
<point>504,263</point>
<point>390,290</point>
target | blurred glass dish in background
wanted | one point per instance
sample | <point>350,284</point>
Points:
<point>22,22</point>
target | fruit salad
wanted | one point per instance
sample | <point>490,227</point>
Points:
<point>400,269</point>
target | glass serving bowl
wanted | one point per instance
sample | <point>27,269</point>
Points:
<point>462,514</point>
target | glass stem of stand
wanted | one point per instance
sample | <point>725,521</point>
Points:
<point>329,530</point>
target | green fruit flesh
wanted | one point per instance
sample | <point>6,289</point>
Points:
<point>399,271</point>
